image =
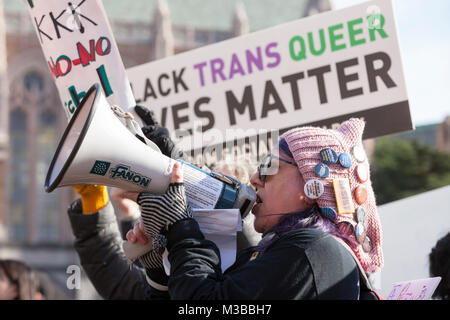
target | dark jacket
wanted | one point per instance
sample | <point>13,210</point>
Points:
<point>301,264</point>
<point>98,243</point>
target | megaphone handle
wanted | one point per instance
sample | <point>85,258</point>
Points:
<point>135,250</point>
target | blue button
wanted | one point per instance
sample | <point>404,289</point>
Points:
<point>328,156</point>
<point>322,170</point>
<point>345,160</point>
<point>329,213</point>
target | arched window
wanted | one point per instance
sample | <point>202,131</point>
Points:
<point>47,139</point>
<point>18,176</point>
<point>33,81</point>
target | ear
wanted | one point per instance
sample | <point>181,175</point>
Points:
<point>307,201</point>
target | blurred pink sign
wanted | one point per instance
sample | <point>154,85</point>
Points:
<point>414,290</point>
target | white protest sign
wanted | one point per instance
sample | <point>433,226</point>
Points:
<point>320,69</point>
<point>219,226</point>
<point>80,50</point>
<point>422,289</point>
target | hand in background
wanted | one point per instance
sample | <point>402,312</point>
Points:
<point>137,234</point>
<point>152,260</point>
<point>126,203</point>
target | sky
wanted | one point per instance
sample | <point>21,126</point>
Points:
<point>424,34</point>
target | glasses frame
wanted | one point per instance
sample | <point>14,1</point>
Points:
<point>266,165</point>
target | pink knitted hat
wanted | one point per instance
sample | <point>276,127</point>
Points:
<point>327,155</point>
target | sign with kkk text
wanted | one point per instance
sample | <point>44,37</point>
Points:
<point>80,50</point>
<point>318,70</point>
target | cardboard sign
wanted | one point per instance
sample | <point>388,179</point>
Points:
<point>80,50</point>
<point>422,289</point>
<point>318,70</point>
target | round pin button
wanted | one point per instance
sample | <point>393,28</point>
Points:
<point>345,160</point>
<point>322,170</point>
<point>362,173</point>
<point>360,233</point>
<point>359,153</point>
<point>328,155</point>
<point>345,228</point>
<point>313,189</point>
<point>360,214</point>
<point>367,244</point>
<point>361,194</point>
<point>329,213</point>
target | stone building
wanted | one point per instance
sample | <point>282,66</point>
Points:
<point>34,225</point>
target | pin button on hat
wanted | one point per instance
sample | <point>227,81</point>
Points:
<point>362,173</point>
<point>367,244</point>
<point>322,170</point>
<point>313,189</point>
<point>361,194</point>
<point>359,153</point>
<point>360,214</point>
<point>329,213</point>
<point>345,160</point>
<point>328,155</point>
<point>345,228</point>
<point>360,233</point>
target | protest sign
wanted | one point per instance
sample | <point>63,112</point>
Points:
<point>80,50</point>
<point>422,289</point>
<point>318,70</point>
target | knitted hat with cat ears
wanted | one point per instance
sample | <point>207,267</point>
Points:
<point>336,172</point>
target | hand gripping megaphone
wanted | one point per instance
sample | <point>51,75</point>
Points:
<point>97,149</point>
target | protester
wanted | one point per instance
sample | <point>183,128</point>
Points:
<point>321,235</point>
<point>98,240</point>
<point>439,259</point>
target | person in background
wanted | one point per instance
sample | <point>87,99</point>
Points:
<point>18,281</point>
<point>439,259</point>
<point>98,243</point>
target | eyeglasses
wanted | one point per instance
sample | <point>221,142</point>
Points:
<point>266,168</point>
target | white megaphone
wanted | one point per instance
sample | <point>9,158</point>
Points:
<point>97,149</point>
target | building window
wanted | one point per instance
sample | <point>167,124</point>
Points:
<point>18,176</point>
<point>33,81</point>
<point>47,202</point>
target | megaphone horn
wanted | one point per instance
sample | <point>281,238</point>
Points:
<point>96,148</point>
